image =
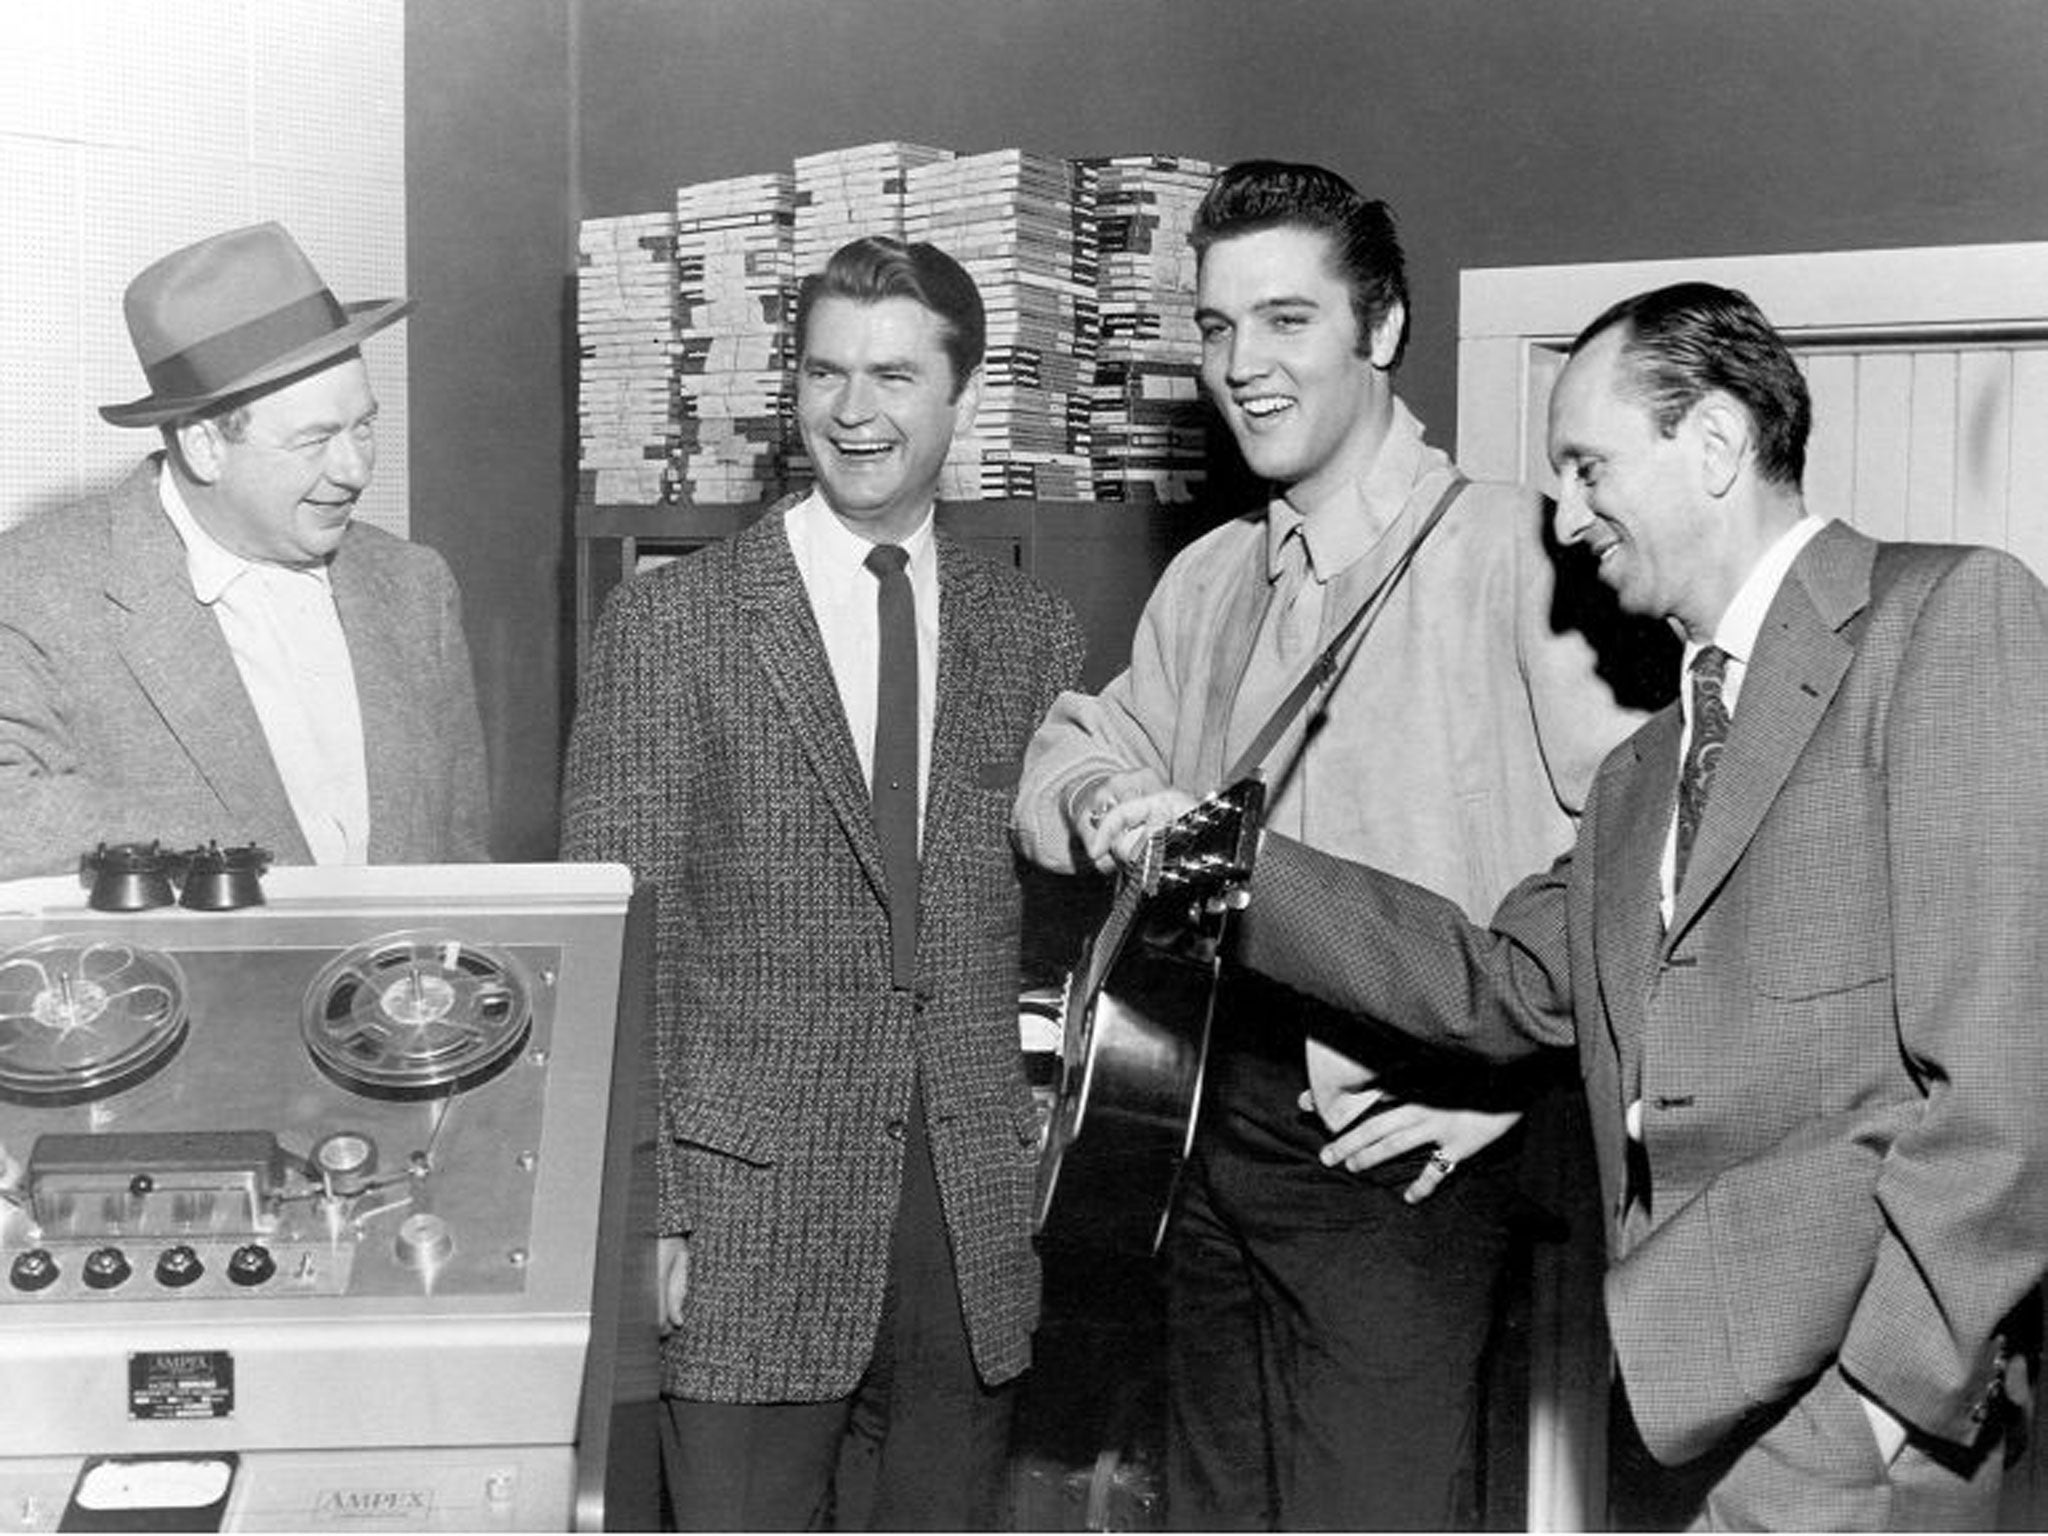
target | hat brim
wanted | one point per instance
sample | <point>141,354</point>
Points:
<point>365,319</point>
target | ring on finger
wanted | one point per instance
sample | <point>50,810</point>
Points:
<point>1442,1162</point>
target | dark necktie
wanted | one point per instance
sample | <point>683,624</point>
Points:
<point>1703,753</point>
<point>895,770</point>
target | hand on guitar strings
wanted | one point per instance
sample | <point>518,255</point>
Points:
<point>1376,1135</point>
<point>672,1281</point>
<point>1119,813</point>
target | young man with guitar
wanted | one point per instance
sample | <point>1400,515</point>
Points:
<point>1326,1318</point>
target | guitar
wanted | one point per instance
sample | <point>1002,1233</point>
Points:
<point>1134,1034</point>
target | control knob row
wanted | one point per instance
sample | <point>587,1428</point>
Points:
<point>104,1269</point>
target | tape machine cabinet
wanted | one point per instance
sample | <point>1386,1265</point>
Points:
<point>324,1213</point>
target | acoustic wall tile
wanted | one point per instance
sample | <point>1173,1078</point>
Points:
<point>131,127</point>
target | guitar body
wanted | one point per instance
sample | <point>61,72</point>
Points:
<point>1131,1061</point>
<point>1135,1037</point>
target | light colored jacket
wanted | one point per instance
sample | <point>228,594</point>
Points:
<point>123,717</point>
<point>1455,750</point>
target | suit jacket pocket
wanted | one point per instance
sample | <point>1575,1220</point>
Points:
<point>1814,886</point>
<point>1746,1292</point>
<point>737,1130</point>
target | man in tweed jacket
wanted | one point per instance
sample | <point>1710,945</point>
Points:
<point>216,650</point>
<point>846,1160</point>
<point>1813,1050</point>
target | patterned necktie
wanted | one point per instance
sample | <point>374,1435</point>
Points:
<point>894,792</point>
<point>1703,754</point>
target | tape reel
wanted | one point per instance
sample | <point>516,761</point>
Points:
<point>82,1018</point>
<point>416,1014</point>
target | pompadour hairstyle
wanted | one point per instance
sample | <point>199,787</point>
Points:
<point>1275,194</point>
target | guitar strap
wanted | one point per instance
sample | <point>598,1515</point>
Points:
<point>1325,670</point>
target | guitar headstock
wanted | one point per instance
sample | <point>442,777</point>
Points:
<point>1206,852</point>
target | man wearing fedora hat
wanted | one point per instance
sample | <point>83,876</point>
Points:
<point>216,650</point>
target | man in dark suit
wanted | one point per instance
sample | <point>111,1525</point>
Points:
<point>1798,945</point>
<point>848,1140</point>
<point>216,650</point>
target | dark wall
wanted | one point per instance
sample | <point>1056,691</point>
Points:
<point>490,244</point>
<point>1502,133</point>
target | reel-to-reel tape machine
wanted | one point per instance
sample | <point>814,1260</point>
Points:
<point>315,1213</point>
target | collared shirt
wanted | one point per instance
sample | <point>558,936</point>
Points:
<point>1348,548</point>
<point>1736,634</point>
<point>283,630</point>
<point>829,558</point>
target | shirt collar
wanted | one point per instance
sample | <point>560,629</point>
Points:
<point>212,566</point>
<point>1336,543</point>
<point>839,545</point>
<point>1744,621</point>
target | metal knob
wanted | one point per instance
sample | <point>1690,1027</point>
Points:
<point>425,1241</point>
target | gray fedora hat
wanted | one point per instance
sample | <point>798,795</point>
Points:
<point>231,314</point>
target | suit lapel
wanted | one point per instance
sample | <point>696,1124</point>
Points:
<point>1800,660</point>
<point>172,647</point>
<point>962,590</point>
<point>1634,803</point>
<point>775,613</point>
<point>364,599</point>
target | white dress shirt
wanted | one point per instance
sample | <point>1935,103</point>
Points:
<point>829,557</point>
<point>282,628</point>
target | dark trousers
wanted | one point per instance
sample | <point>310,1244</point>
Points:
<point>1323,1337</point>
<point>921,1444</point>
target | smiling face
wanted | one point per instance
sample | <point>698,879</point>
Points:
<point>879,411</point>
<point>284,487</point>
<point>1283,360</point>
<point>1631,494</point>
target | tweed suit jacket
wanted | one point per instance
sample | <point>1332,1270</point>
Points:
<point>1838,1041</point>
<point>710,753</point>
<point>124,719</point>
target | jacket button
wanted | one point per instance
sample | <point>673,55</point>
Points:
<point>894,1129</point>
